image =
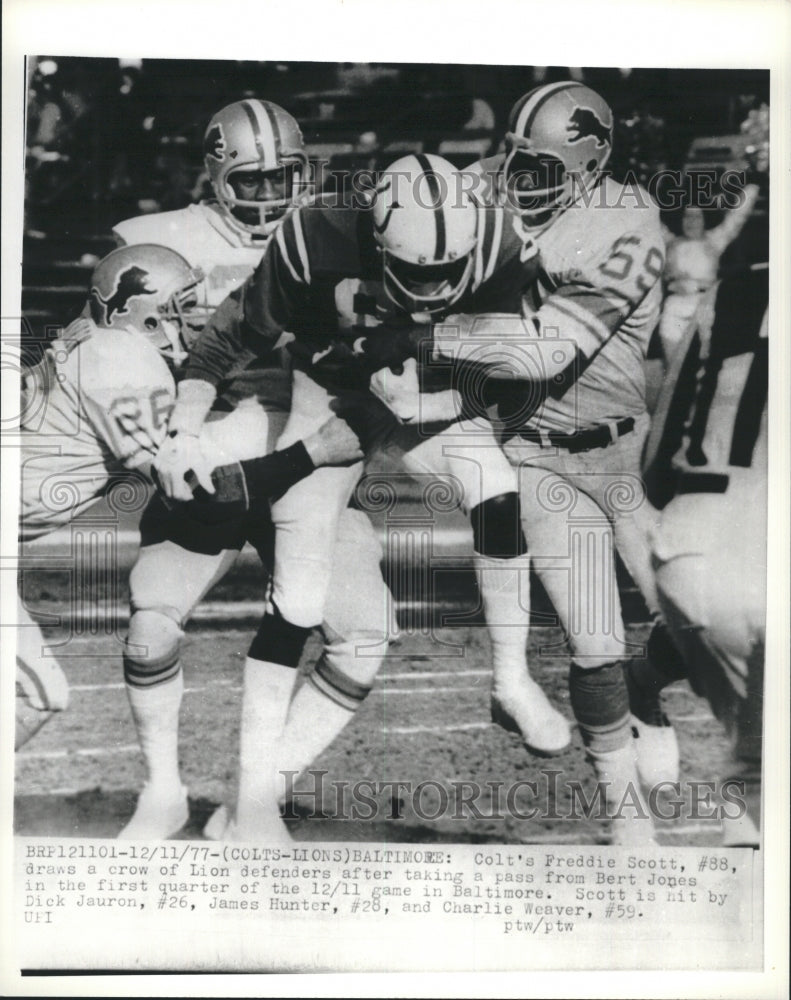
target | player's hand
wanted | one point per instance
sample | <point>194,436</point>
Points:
<point>400,393</point>
<point>334,443</point>
<point>180,465</point>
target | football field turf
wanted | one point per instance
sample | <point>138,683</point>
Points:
<point>426,721</point>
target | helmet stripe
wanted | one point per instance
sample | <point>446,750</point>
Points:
<point>439,215</point>
<point>255,127</point>
<point>480,239</point>
<point>496,240</point>
<point>532,106</point>
<point>273,129</point>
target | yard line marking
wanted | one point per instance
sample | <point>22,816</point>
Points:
<point>682,831</point>
<point>387,690</point>
<point>80,752</point>
<point>59,791</point>
<point>210,611</point>
<point>95,687</point>
<point>131,536</point>
<point>421,674</point>
<point>187,690</point>
<point>557,838</point>
<point>702,717</point>
<point>90,751</point>
<point>116,616</point>
<point>394,692</point>
<point>461,727</point>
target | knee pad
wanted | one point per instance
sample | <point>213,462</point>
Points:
<point>497,527</point>
<point>151,648</point>
<point>278,640</point>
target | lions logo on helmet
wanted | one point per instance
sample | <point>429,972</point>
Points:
<point>152,290</point>
<point>255,157</point>
<point>558,144</point>
<point>426,227</point>
<point>129,283</point>
<point>214,144</point>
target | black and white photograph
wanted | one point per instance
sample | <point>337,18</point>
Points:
<point>391,547</point>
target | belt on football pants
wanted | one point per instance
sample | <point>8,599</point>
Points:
<point>701,482</point>
<point>587,440</point>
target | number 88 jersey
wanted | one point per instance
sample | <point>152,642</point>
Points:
<point>599,286</point>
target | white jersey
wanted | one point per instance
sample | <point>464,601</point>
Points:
<point>204,237</point>
<point>599,286</point>
<point>97,404</point>
<point>227,256</point>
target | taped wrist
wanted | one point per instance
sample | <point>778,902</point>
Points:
<point>193,402</point>
<point>497,527</point>
<point>238,485</point>
<point>274,474</point>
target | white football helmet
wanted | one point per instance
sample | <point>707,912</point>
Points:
<point>558,143</point>
<point>152,290</point>
<point>425,224</point>
<point>255,156</point>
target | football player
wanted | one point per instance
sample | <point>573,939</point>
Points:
<point>95,412</point>
<point>707,469</point>
<point>95,408</point>
<point>256,160</point>
<point>255,157</point>
<point>577,446</point>
<point>352,284</point>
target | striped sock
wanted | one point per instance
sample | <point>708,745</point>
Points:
<point>321,709</point>
<point>155,701</point>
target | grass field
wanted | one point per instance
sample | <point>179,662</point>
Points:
<point>427,719</point>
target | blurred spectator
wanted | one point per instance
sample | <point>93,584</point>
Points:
<point>691,265</point>
<point>693,259</point>
<point>55,106</point>
<point>482,117</point>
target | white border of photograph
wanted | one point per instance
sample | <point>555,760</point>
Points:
<point>680,33</point>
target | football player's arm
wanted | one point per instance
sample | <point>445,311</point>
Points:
<point>400,392</point>
<point>238,484</point>
<point>502,346</point>
<point>570,327</point>
<point>251,318</point>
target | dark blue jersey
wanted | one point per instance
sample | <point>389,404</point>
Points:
<point>320,285</point>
